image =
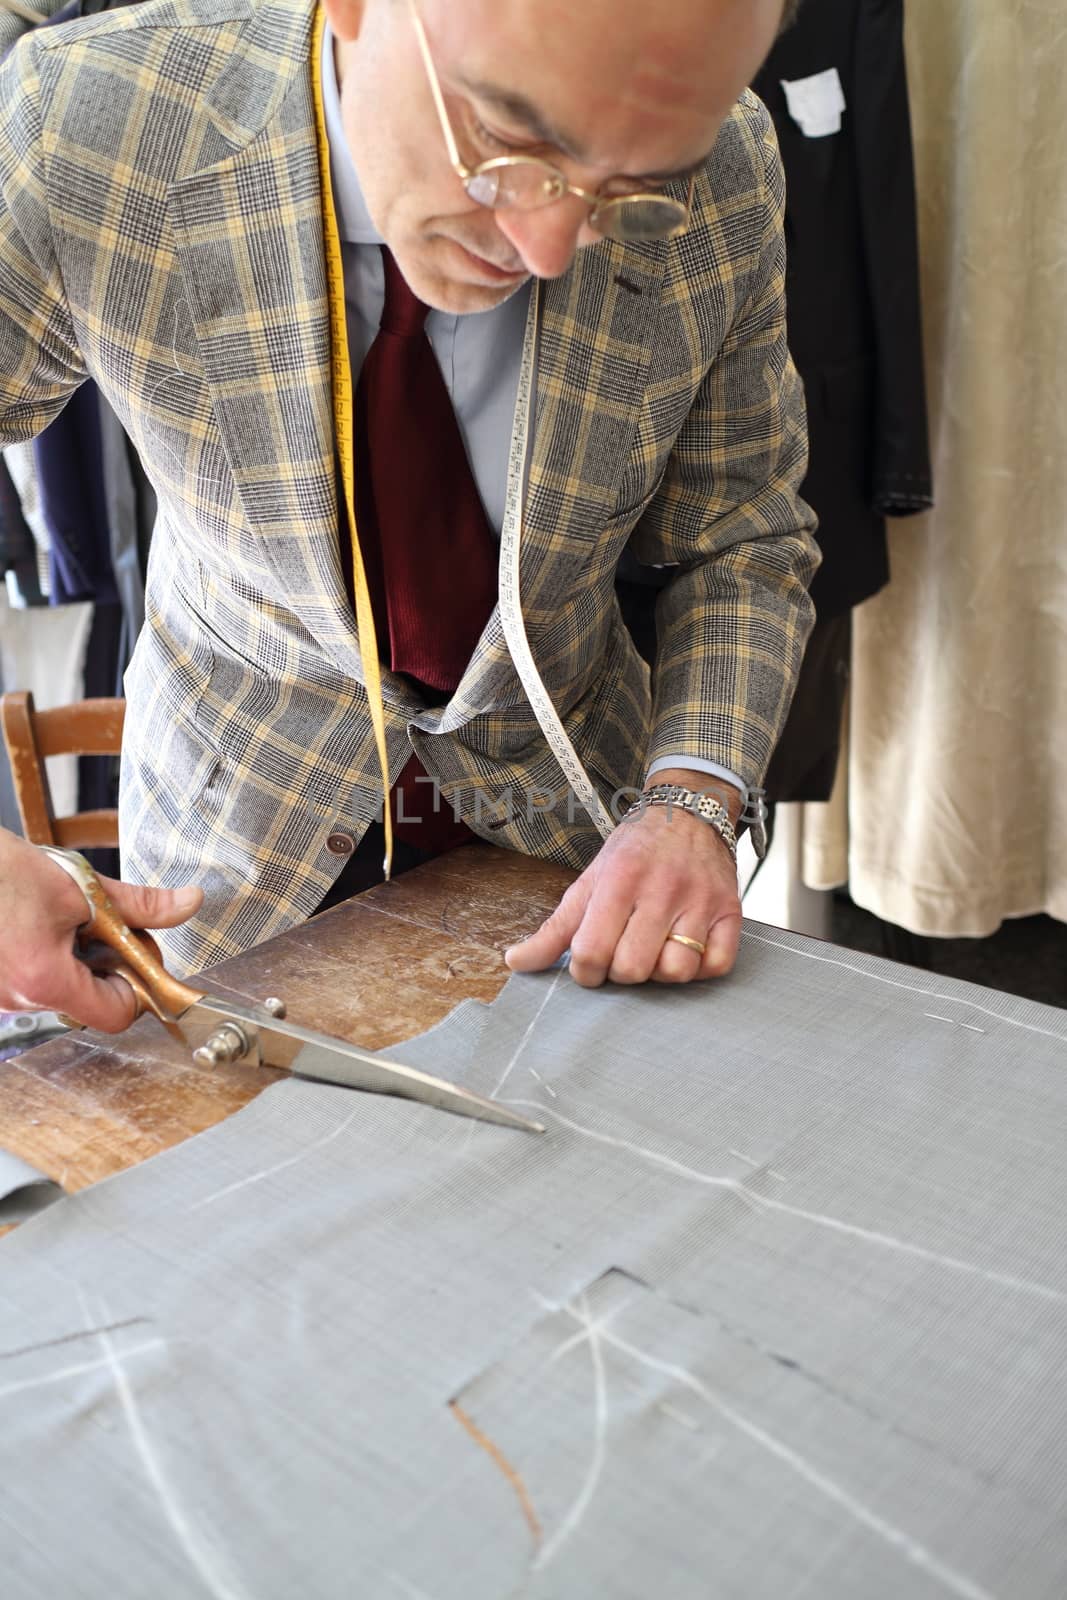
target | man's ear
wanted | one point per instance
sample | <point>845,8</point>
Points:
<point>345,18</point>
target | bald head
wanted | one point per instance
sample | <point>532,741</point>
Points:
<point>615,92</point>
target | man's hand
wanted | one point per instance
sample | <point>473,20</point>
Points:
<point>40,910</point>
<point>662,872</point>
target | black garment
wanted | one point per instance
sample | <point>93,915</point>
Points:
<point>852,291</point>
<point>852,288</point>
<point>18,551</point>
<point>852,295</point>
<point>70,473</point>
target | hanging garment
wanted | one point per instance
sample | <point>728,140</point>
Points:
<point>836,87</point>
<point>18,548</point>
<point>957,776</point>
<point>70,472</point>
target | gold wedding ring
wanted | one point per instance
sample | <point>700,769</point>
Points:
<point>690,944</point>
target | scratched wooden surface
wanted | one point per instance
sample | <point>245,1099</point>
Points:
<point>377,970</point>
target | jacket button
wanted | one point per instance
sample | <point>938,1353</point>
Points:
<point>340,844</point>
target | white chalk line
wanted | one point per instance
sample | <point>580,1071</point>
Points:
<point>200,1554</point>
<point>761,1202</point>
<point>913,988</point>
<point>915,1552</point>
<point>524,1041</point>
<point>60,1373</point>
<point>593,1333</point>
<point>280,1166</point>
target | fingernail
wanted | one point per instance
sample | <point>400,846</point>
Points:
<point>186,899</point>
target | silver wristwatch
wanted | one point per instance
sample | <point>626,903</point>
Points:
<point>704,806</point>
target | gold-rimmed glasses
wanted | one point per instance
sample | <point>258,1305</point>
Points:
<point>527,183</point>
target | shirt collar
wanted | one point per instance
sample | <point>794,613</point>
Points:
<point>353,219</point>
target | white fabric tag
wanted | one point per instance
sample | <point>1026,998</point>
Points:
<point>816,103</point>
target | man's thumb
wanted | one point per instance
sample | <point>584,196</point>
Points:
<point>144,907</point>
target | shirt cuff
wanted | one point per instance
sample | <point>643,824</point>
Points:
<point>695,764</point>
<point>753,810</point>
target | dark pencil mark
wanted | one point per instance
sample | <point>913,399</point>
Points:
<point>71,1338</point>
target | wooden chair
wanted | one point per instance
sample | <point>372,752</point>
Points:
<point>86,728</point>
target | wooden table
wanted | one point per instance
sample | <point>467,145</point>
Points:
<point>377,970</point>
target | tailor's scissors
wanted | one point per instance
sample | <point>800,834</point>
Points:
<point>220,1032</point>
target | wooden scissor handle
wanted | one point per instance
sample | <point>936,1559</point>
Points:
<point>138,958</point>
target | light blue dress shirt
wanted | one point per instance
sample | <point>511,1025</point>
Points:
<point>479,354</point>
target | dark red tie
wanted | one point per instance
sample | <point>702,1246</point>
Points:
<point>429,555</point>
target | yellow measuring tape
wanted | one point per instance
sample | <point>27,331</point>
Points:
<point>343,416</point>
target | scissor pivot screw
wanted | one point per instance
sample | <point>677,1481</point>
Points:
<point>275,1006</point>
<point>223,1047</point>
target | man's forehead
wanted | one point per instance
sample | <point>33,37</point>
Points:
<point>520,112</point>
<point>677,36</point>
<point>581,74</point>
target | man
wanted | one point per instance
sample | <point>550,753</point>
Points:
<point>161,229</point>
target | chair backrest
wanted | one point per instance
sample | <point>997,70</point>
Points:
<point>86,728</point>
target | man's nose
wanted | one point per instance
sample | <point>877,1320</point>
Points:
<point>547,238</point>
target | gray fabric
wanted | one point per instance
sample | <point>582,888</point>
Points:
<point>23,1190</point>
<point>777,1307</point>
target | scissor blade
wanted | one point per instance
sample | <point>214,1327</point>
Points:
<point>308,1054</point>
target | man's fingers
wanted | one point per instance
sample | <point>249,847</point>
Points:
<point>543,948</point>
<point>724,941</point>
<point>640,945</point>
<point>143,907</point>
<point>606,920</point>
<point>106,1003</point>
<point>678,962</point>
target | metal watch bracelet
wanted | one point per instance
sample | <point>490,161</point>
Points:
<point>704,806</point>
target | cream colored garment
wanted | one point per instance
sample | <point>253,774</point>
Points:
<point>957,771</point>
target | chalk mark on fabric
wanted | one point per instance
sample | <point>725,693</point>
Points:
<point>593,1333</point>
<point>77,1370</point>
<point>519,1048</point>
<point>280,1166</point>
<point>915,1552</point>
<point>201,1556</point>
<point>678,1416</point>
<point>501,1462</point>
<point>524,1041</point>
<point>749,1161</point>
<point>912,988</point>
<point>954,1022</point>
<point>819,1219</point>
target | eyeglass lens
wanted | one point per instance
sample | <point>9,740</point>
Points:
<point>529,185</point>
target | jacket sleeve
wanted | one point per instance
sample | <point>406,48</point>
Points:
<point>733,620</point>
<point>40,362</point>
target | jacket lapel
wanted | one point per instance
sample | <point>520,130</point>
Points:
<point>248,233</point>
<point>593,350</point>
<point>249,241</point>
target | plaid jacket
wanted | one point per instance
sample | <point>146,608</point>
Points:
<point>160,230</point>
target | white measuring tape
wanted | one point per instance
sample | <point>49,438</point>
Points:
<point>511,534</point>
<point>510,595</point>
